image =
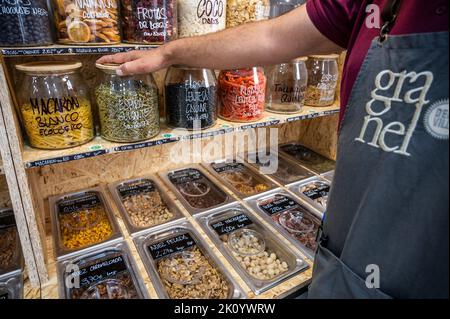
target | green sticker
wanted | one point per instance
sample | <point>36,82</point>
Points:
<point>95,147</point>
<point>168,135</point>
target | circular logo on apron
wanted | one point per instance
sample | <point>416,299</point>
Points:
<point>436,120</point>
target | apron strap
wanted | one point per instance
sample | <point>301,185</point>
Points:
<point>389,15</point>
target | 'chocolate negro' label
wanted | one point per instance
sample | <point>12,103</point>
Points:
<point>136,188</point>
<point>86,201</point>
<point>185,175</point>
<point>171,246</point>
<point>277,204</point>
<point>320,190</point>
<point>228,167</point>
<point>104,269</point>
<point>231,224</point>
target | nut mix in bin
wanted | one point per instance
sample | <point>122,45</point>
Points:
<point>103,275</point>
<point>143,203</point>
<point>83,221</point>
<point>87,22</point>
<point>317,191</point>
<point>185,271</point>
<point>291,216</point>
<point>10,250</point>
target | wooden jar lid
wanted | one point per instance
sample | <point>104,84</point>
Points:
<point>49,67</point>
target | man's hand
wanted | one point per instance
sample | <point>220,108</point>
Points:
<point>254,44</point>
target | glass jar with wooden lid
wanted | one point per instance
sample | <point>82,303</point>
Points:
<point>54,105</point>
<point>323,74</point>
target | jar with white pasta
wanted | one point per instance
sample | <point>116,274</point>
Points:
<point>198,17</point>
<point>243,11</point>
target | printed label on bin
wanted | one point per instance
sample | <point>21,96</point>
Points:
<point>7,219</point>
<point>185,175</point>
<point>227,167</point>
<point>170,246</point>
<point>89,200</point>
<point>100,271</point>
<point>136,188</point>
<point>4,296</point>
<point>277,204</point>
<point>231,224</point>
<point>320,191</point>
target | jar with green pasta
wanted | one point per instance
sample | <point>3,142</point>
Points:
<point>127,106</point>
<point>54,105</point>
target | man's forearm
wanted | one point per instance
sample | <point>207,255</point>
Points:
<point>254,44</point>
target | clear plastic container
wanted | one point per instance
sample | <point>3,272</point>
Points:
<point>143,203</point>
<point>308,158</point>
<point>246,242</point>
<point>107,274</point>
<point>196,191</point>
<point>25,23</point>
<point>198,17</point>
<point>82,220</point>
<point>11,286</point>
<point>54,105</point>
<point>87,22</point>
<point>243,11</point>
<point>10,249</point>
<point>314,191</point>
<point>323,75</point>
<point>280,7</point>
<point>127,105</point>
<point>242,94</point>
<point>190,98</point>
<point>149,21</point>
<point>286,86</point>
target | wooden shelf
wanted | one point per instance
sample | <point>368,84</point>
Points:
<point>99,146</point>
<point>58,49</point>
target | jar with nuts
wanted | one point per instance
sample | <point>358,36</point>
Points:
<point>87,22</point>
<point>243,11</point>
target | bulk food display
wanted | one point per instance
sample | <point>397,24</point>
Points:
<point>190,98</point>
<point>198,17</point>
<point>286,86</point>
<point>143,203</point>
<point>308,158</point>
<point>10,249</point>
<point>323,75</point>
<point>242,94</point>
<point>195,190</point>
<point>257,255</point>
<point>24,23</point>
<point>182,267</point>
<point>291,218</point>
<point>238,177</point>
<point>106,274</point>
<point>243,11</point>
<point>281,169</point>
<point>314,191</point>
<point>149,21</point>
<point>81,220</point>
<point>127,105</point>
<point>54,105</point>
<point>11,286</point>
<point>87,22</point>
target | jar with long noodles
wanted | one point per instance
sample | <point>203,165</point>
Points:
<point>54,105</point>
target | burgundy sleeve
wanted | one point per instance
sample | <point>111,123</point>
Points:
<point>335,19</point>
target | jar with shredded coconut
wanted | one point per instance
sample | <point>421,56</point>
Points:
<point>243,11</point>
<point>198,17</point>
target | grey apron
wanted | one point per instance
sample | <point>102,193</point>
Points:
<point>386,228</point>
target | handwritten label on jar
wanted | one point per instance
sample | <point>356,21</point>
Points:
<point>100,271</point>
<point>277,204</point>
<point>288,93</point>
<point>186,175</point>
<point>170,246</point>
<point>231,224</point>
<point>327,87</point>
<point>21,7</point>
<point>316,190</point>
<point>96,9</point>
<point>77,204</point>
<point>197,97</point>
<point>227,167</point>
<point>136,188</point>
<point>210,11</point>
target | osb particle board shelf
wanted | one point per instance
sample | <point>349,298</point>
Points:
<point>58,49</point>
<point>37,158</point>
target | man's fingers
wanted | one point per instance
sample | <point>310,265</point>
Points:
<point>120,58</point>
<point>151,62</point>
